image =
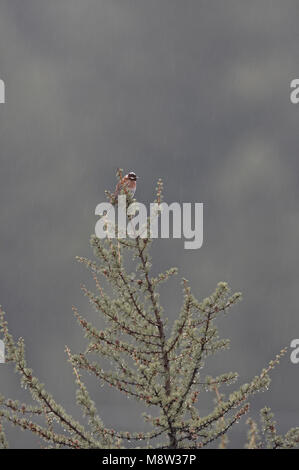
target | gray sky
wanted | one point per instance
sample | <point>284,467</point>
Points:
<point>195,92</point>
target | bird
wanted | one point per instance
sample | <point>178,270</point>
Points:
<point>127,183</point>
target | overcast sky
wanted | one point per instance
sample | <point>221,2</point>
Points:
<point>195,92</point>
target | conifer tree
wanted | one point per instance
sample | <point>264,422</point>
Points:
<point>165,372</point>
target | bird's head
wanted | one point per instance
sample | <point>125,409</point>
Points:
<point>131,176</point>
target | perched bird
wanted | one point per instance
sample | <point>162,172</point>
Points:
<point>127,183</point>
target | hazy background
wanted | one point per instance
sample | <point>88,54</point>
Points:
<point>195,92</point>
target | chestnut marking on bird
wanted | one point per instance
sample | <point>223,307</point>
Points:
<point>127,184</point>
